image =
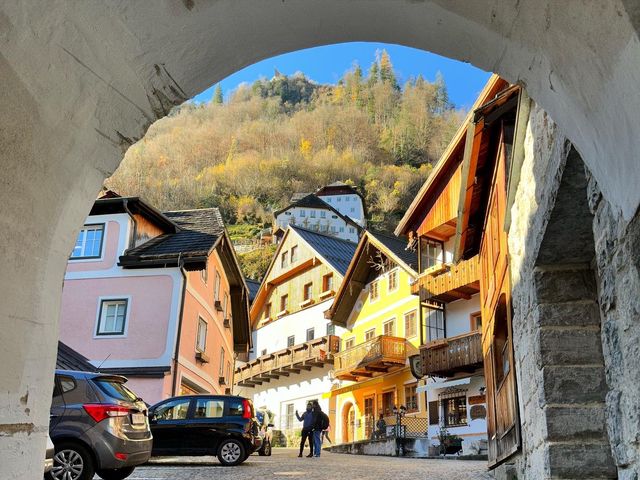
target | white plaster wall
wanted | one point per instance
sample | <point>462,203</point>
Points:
<point>458,315</point>
<point>332,224</point>
<point>273,337</point>
<point>349,205</point>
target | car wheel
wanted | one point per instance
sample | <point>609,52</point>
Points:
<point>266,449</point>
<point>231,452</point>
<point>117,474</point>
<point>72,461</point>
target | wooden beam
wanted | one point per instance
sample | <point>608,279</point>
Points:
<point>371,368</point>
<point>459,294</point>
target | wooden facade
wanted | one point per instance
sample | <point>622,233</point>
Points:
<point>304,356</point>
<point>450,283</point>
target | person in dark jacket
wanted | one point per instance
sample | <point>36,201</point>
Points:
<point>320,423</point>
<point>307,419</point>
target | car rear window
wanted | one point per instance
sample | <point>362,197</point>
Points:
<point>236,408</point>
<point>115,389</point>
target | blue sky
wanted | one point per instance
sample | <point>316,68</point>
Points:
<point>327,64</point>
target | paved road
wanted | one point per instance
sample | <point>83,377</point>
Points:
<point>284,464</point>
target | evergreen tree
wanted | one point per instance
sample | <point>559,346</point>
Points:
<point>387,75</point>
<point>217,95</point>
<point>374,74</point>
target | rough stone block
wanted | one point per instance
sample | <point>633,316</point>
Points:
<point>569,347</point>
<point>560,285</point>
<point>571,460</point>
<point>579,314</point>
<point>575,423</point>
<point>574,384</point>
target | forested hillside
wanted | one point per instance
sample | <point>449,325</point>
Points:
<point>289,134</point>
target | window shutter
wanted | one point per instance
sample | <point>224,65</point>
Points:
<point>434,413</point>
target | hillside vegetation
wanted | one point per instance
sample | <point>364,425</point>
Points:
<point>289,134</point>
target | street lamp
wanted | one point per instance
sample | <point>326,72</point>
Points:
<point>399,412</point>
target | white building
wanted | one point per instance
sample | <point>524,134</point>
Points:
<point>346,200</point>
<point>294,343</point>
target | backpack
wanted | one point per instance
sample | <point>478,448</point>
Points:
<point>324,421</point>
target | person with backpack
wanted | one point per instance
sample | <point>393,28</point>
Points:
<point>320,424</point>
<point>307,419</point>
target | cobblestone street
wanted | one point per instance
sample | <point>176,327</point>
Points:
<point>285,464</point>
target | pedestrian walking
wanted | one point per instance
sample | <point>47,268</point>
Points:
<point>325,434</point>
<point>307,419</point>
<point>320,424</point>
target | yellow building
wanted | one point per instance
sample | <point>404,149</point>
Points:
<point>383,328</point>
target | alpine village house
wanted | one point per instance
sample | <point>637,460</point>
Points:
<point>158,297</point>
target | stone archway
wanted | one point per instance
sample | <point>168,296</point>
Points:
<point>83,82</point>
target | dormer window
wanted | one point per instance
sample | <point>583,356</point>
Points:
<point>89,242</point>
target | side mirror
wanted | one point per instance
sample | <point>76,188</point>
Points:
<point>270,425</point>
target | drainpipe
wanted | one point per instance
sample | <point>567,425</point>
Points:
<point>132,239</point>
<point>179,334</point>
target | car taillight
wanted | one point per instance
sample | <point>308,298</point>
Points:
<point>100,411</point>
<point>246,409</point>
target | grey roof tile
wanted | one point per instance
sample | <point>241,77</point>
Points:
<point>336,251</point>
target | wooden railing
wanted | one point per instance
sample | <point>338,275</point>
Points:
<point>450,355</point>
<point>375,353</point>
<point>303,356</point>
<point>447,279</point>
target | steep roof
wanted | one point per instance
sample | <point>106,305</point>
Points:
<point>253,286</point>
<point>69,359</point>
<point>337,188</point>
<point>359,271</point>
<point>314,201</point>
<point>199,231</point>
<point>336,251</point>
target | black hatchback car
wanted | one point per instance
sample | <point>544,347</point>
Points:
<point>219,425</point>
<point>97,426</point>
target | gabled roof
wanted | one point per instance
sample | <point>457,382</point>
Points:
<point>314,201</point>
<point>336,251</point>
<point>359,270</point>
<point>198,233</point>
<point>338,188</point>
<point>112,203</point>
<point>69,359</point>
<point>253,286</point>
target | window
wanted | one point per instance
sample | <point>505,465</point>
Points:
<point>476,322</point>
<point>236,407</point>
<point>89,242</point>
<point>291,341</point>
<point>431,253</point>
<point>312,213</point>
<point>310,334</point>
<point>209,408</point>
<point>389,328</point>
<point>323,214</point>
<point>113,314</point>
<point>455,409</point>
<point>352,230</point>
<point>284,260</point>
<point>411,397</point>
<point>331,329</point>
<point>228,371</point>
<point>434,413</point>
<point>374,291</point>
<point>216,288</point>
<point>410,324</point>
<point>333,229</point>
<point>303,213</point>
<point>221,368</point>
<point>115,389</point>
<point>201,340</point>
<point>339,199</point>
<point>267,311</point>
<point>434,316</point>
<point>288,418</point>
<point>284,303</point>
<point>294,253</point>
<point>173,410</point>
<point>369,334</point>
<point>327,282</point>
<point>349,343</point>
<point>225,305</point>
<point>393,280</point>
<point>204,274</point>
<point>341,229</point>
<point>353,210</point>
<point>324,228</point>
<point>308,291</point>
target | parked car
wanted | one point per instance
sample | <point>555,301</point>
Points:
<point>48,455</point>
<point>265,424</point>
<point>219,425</point>
<point>97,426</point>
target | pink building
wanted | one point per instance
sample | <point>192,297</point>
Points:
<point>157,297</point>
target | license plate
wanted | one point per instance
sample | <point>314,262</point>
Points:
<point>138,418</point>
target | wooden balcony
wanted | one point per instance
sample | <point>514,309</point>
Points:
<point>449,283</point>
<point>292,360</point>
<point>445,357</point>
<point>377,356</point>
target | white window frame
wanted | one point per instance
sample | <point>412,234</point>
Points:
<point>127,314</point>
<point>373,299</point>
<point>396,273</point>
<point>102,244</point>
<point>202,349</point>
<point>311,330</point>
<point>387,322</point>
<point>367,332</point>
<point>415,321</point>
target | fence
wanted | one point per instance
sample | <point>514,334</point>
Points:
<point>408,427</point>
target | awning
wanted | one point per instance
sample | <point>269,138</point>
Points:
<point>437,385</point>
<point>351,388</point>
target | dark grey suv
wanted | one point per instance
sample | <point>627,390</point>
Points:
<point>97,426</point>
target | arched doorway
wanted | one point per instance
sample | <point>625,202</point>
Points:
<point>84,82</point>
<point>348,423</point>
